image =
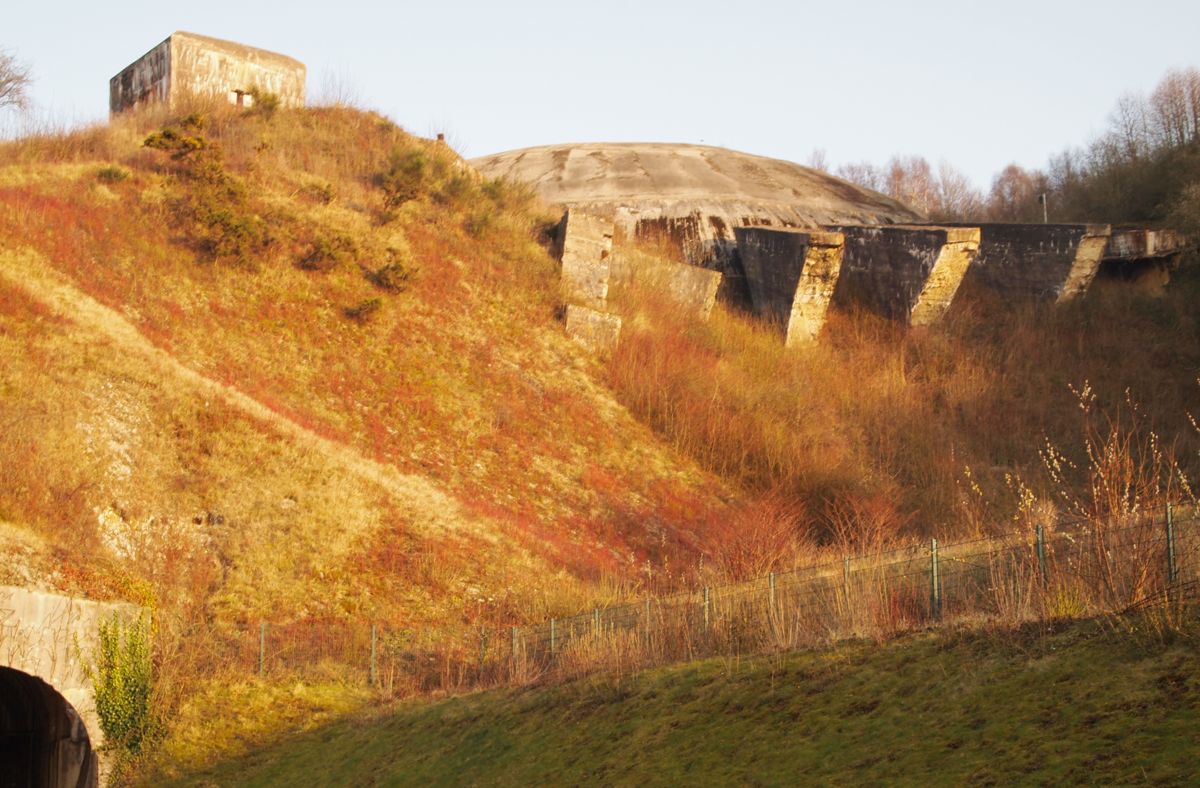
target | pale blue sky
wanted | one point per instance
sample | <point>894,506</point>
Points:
<point>980,85</point>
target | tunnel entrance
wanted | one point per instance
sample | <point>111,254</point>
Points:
<point>43,742</point>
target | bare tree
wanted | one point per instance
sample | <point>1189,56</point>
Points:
<point>818,161</point>
<point>864,174</point>
<point>959,200</point>
<point>15,79</point>
<point>1174,108</point>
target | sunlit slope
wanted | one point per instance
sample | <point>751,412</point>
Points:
<point>1018,709</point>
<point>320,394</point>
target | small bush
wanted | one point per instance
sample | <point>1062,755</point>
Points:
<point>393,277</point>
<point>113,173</point>
<point>320,193</point>
<point>364,310</point>
<point>265,102</point>
<point>213,205</point>
<point>328,253</point>
<point>404,178</point>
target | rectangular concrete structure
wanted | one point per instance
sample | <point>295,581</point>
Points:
<point>1042,262</point>
<point>908,273</point>
<point>187,64</point>
<point>596,331</point>
<point>585,242</point>
<point>791,275</point>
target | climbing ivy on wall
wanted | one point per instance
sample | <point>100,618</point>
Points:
<point>122,679</point>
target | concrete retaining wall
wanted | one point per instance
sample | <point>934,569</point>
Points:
<point>908,273</point>
<point>597,331</point>
<point>791,276</point>
<point>1043,262</point>
<point>692,288</point>
<point>189,64</point>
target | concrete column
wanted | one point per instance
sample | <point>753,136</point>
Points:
<point>960,248</point>
<point>586,242</point>
<point>814,291</point>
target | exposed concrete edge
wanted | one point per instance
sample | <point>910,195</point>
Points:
<point>954,258</point>
<point>1088,256</point>
<point>814,291</point>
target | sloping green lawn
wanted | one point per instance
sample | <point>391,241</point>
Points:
<point>1076,707</point>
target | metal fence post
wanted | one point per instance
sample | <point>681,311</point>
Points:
<point>935,592</point>
<point>482,647</point>
<point>596,624</point>
<point>846,573</point>
<point>514,648</point>
<point>372,655</point>
<point>1172,570</point>
<point>262,648</point>
<point>771,583</point>
<point>1041,553</point>
<point>706,607</point>
<point>551,636</point>
<point>647,620</point>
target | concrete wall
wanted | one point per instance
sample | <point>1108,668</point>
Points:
<point>692,288</point>
<point>1044,262</point>
<point>38,637</point>
<point>908,273</point>
<point>791,276</point>
<point>586,242</point>
<point>189,64</point>
<point>597,331</point>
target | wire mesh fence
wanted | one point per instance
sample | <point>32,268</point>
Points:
<point>1075,569</point>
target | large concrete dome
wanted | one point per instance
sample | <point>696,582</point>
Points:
<point>638,173</point>
<point>693,194</point>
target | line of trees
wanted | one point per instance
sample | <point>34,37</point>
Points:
<point>1145,168</point>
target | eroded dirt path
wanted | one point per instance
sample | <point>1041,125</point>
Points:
<point>428,507</point>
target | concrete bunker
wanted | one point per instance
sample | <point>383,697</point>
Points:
<point>1042,262</point>
<point>693,196</point>
<point>693,289</point>
<point>43,741</point>
<point>908,273</point>
<point>584,243</point>
<point>791,275</point>
<point>186,64</point>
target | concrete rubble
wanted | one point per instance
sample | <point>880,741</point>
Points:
<point>597,331</point>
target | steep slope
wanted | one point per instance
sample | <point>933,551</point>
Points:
<point>304,365</point>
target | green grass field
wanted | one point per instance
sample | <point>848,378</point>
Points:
<point>1083,705</point>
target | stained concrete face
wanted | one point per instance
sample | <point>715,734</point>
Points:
<point>693,289</point>
<point>596,331</point>
<point>694,196</point>
<point>791,276</point>
<point>187,64</point>
<point>1042,262</point>
<point>907,273</point>
<point>42,635</point>
<point>586,242</point>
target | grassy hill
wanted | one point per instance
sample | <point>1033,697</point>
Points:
<point>1083,704</point>
<point>301,366</point>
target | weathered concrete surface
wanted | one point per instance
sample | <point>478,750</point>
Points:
<point>907,273</point>
<point>693,195</point>
<point>189,64</point>
<point>1143,258</point>
<point>586,242</point>
<point>597,331</point>
<point>791,275</point>
<point>692,288</point>
<point>1044,262</point>
<point>38,637</point>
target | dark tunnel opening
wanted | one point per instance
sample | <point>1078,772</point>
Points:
<point>43,742</point>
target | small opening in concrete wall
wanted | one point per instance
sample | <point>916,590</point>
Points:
<point>241,98</point>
